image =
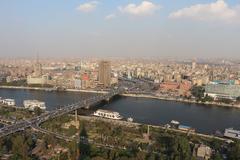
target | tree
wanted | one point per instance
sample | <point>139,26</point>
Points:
<point>184,148</point>
<point>224,100</point>
<point>83,146</point>
<point>72,146</point>
<point>50,140</point>
<point>20,148</point>
<point>238,99</point>
<point>38,111</point>
<point>207,99</point>
<point>217,156</point>
<point>198,91</point>
<point>216,145</point>
<point>174,147</point>
<point>63,156</point>
<point>234,151</point>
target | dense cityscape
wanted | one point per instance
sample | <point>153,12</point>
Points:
<point>189,81</point>
<point>120,80</point>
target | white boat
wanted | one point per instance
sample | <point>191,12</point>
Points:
<point>231,133</point>
<point>174,122</point>
<point>32,104</point>
<point>130,119</point>
<point>107,114</point>
<point>9,102</point>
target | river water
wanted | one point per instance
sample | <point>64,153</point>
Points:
<point>205,119</point>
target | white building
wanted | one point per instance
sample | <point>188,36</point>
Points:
<point>77,84</point>
<point>38,80</point>
<point>9,102</point>
<point>204,152</point>
<point>37,77</point>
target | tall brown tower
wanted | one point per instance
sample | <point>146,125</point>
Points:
<point>105,73</point>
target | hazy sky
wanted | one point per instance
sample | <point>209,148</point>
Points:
<point>120,28</point>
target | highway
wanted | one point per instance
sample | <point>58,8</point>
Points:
<point>6,121</point>
<point>22,125</point>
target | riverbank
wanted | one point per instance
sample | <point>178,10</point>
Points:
<point>51,89</point>
<point>182,100</point>
<point>136,124</point>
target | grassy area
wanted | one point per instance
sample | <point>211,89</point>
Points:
<point>13,113</point>
<point>110,141</point>
<point>160,141</point>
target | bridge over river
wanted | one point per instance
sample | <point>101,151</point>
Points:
<point>86,103</point>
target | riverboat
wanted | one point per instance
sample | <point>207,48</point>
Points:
<point>174,124</point>
<point>232,133</point>
<point>32,104</point>
<point>107,114</point>
<point>186,128</point>
<point>130,119</point>
<point>9,102</point>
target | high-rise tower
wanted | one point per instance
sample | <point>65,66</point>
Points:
<point>105,73</point>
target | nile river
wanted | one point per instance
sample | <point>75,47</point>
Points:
<point>205,119</point>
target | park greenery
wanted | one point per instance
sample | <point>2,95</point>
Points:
<point>15,113</point>
<point>106,140</point>
<point>129,142</point>
<point>23,83</point>
<point>198,93</point>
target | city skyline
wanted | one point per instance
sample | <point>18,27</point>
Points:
<point>142,29</point>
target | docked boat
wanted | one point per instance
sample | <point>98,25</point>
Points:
<point>232,133</point>
<point>107,114</point>
<point>186,128</point>
<point>174,124</point>
<point>9,102</point>
<point>32,104</point>
<point>130,119</point>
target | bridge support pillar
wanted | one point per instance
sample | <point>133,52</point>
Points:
<point>108,99</point>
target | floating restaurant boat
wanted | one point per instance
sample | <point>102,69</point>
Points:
<point>231,133</point>
<point>32,104</point>
<point>107,114</point>
<point>177,125</point>
<point>9,102</point>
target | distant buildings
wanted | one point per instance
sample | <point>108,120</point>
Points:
<point>202,152</point>
<point>105,73</point>
<point>194,65</point>
<point>182,88</point>
<point>37,77</point>
<point>223,90</point>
